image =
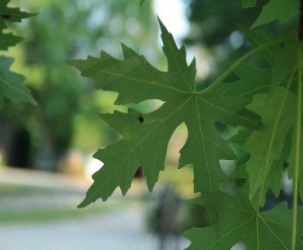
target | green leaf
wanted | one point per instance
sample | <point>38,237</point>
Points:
<point>141,2</point>
<point>11,14</point>
<point>258,39</point>
<point>251,81</point>
<point>239,222</point>
<point>11,84</point>
<point>274,178</point>
<point>277,9</point>
<point>8,40</point>
<point>266,143</point>
<point>286,59</point>
<point>145,143</point>
<point>248,3</point>
<point>8,14</point>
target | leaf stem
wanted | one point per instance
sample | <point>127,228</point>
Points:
<point>297,157</point>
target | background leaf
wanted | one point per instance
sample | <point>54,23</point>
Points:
<point>266,143</point>
<point>239,222</point>
<point>277,9</point>
<point>11,84</point>
<point>8,39</point>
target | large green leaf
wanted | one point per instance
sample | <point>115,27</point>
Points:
<point>239,222</point>
<point>145,137</point>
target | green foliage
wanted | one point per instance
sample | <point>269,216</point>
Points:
<point>277,9</point>
<point>278,117</point>
<point>199,111</point>
<point>11,84</point>
<point>238,222</point>
<point>57,87</point>
<point>262,99</point>
<point>248,3</point>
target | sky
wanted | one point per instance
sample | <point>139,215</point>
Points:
<point>172,14</point>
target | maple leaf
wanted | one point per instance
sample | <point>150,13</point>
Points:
<point>11,84</point>
<point>145,140</point>
<point>274,178</point>
<point>265,144</point>
<point>258,40</point>
<point>237,221</point>
<point>277,9</point>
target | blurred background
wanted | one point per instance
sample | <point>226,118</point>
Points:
<point>46,150</point>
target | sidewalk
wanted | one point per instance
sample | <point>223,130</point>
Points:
<point>120,229</point>
<point>115,231</point>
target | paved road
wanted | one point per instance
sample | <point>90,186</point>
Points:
<point>110,231</point>
<point>121,229</point>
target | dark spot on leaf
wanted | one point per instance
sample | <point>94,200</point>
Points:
<point>140,119</point>
<point>5,16</point>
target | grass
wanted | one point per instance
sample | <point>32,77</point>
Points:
<point>52,214</point>
<point>8,190</point>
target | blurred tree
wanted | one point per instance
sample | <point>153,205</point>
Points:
<point>68,109</point>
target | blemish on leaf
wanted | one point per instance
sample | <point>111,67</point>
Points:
<point>140,119</point>
<point>5,16</point>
